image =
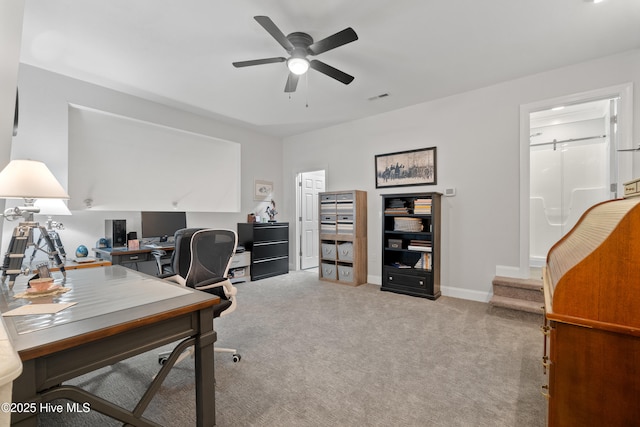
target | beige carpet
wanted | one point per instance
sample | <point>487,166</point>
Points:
<point>321,354</point>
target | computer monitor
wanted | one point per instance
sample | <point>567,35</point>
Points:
<point>162,224</point>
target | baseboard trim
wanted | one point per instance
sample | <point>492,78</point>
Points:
<point>448,291</point>
<point>467,294</point>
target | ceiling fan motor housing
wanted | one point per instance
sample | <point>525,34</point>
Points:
<point>300,42</point>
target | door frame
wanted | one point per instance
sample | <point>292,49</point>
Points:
<point>624,140</point>
<point>297,223</point>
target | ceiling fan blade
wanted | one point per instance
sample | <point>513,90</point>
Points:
<point>258,62</point>
<point>292,83</point>
<point>331,72</point>
<point>275,32</point>
<point>343,37</point>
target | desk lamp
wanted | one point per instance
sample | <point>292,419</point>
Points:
<point>28,180</point>
<point>50,207</point>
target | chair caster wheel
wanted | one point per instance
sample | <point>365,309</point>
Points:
<point>162,360</point>
<point>236,358</point>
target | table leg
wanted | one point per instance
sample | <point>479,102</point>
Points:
<point>204,370</point>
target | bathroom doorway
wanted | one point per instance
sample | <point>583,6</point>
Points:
<point>573,165</point>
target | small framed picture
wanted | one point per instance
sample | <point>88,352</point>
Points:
<point>262,190</point>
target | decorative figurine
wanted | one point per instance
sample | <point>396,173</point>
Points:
<point>271,211</point>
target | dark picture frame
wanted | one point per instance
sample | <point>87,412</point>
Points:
<point>406,168</point>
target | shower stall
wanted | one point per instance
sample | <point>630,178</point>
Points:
<point>571,169</point>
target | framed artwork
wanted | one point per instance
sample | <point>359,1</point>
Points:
<point>405,168</point>
<point>262,190</point>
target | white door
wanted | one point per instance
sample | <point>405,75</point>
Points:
<point>311,184</point>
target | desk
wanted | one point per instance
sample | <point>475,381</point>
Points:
<point>119,313</point>
<point>137,259</point>
<point>72,265</point>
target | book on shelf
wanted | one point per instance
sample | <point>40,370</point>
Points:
<point>400,265</point>
<point>396,206</point>
<point>422,206</point>
<point>424,262</point>
<point>396,211</point>
<point>419,248</point>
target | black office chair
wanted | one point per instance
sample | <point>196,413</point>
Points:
<point>201,261</point>
<point>162,261</point>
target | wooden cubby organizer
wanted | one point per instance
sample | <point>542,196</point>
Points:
<point>343,237</point>
<point>411,244</point>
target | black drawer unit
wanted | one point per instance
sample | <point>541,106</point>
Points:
<point>269,246</point>
<point>408,282</point>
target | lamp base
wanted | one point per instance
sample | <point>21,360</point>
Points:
<point>21,239</point>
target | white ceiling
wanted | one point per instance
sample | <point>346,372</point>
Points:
<point>180,52</point>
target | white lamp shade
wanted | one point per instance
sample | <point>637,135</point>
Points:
<point>29,179</point>
<point>52,207</point>
<point>298,66</point>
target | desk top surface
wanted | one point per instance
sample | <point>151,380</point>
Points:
<point>125,251</point>
<point>109,300</point>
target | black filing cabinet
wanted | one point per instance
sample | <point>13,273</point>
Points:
<point>269,246</point>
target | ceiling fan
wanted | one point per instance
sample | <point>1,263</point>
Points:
<point>300,45</point>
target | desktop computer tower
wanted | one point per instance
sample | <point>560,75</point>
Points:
<point>115,230</point>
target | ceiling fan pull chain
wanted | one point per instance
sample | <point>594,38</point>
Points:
<point>306,82</point>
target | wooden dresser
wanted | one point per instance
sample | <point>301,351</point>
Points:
<point>592,319</point>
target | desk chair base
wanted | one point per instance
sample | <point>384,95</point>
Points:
<point>163,357</point>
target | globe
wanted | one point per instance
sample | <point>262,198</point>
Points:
<point>82,251</point>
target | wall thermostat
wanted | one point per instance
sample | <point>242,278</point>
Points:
<point>449,192</point>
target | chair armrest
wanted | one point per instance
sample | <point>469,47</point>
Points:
<point>229,289</point>
<point>209,282</point>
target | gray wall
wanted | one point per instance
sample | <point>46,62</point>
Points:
<point>477,135</point>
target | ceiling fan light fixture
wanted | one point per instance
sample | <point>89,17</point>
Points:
<point>298,65</point>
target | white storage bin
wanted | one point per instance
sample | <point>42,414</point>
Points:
<point>329,271</point>
<point>345,273</point>
<point>345,251</point>
<point>328,251</point>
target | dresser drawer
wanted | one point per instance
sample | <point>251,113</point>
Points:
<point>394,278</point>
<point>240,260</point>
<point>269,267</point>
<point>346,197</point>
<point>270,233</point>
<point>270,250</point>
<point>129,258</point>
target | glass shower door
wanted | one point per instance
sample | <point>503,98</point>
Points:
<point>566,179</point>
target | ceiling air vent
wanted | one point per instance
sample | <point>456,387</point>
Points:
<point>382,95</point>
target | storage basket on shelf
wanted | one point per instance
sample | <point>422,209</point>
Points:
<point>407,224</point>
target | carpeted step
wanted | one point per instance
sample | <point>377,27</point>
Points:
<point>523,289</point>
<point>517,304</point>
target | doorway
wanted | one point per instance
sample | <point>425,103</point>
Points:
<point>571,165</point>
<point>310,185</point>
<point>620,162</point>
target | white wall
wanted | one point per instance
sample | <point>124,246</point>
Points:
<point>477,136</point>
<point>11,13</point>
<point>43,135</point>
